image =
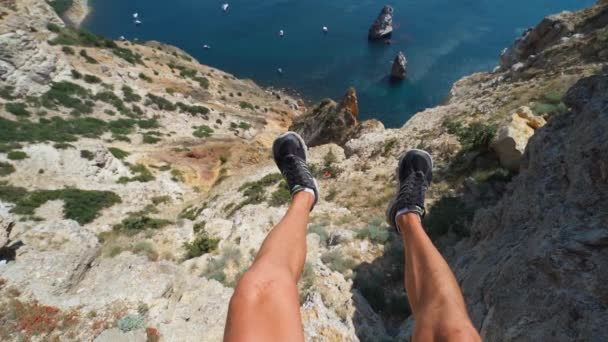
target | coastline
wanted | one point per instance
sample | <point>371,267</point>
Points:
<point>79,11</point>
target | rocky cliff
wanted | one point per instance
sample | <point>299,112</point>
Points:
<point>136,186</point>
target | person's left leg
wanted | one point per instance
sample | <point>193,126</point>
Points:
<point>265,305</point>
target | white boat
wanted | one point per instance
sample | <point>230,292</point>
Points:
<point>225,7</point>
<point>280,70</point>
<point>281,33</point>
<point>206,47</point>
<point>122,38</point>
<point>325,29</point>
<point>137,22</point>
<point>135,15</point>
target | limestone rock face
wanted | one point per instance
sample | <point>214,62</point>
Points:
<point>535,268</point>
<point>383,25</point>
<point>5,230</point>
<point>399,68</point>
<point>550,30</point>
<point>329,121</point>
<point>512,137</point>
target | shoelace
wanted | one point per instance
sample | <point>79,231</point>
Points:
<point>411,191</point>
<point>296,172</point>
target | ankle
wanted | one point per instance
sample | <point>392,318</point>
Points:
<point>408,221</point>
<point>304,197</point>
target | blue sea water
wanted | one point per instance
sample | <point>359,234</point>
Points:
<point>443,40</point>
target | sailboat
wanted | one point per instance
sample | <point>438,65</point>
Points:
<point>225,7</point>
<point>281,33</point>
<point>135,15</point>
<point>325,29</point>
<point>137,22</point>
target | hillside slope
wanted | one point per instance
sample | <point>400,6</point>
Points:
<point>136,186</point>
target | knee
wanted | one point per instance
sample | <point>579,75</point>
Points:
<point>255,286</point>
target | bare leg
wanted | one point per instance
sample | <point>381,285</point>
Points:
<point>433,292</point>
<point>265,305</point>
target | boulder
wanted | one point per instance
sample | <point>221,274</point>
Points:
<point>329,121</point>
<point>399,69</point>
<point>513,135</point>
<point>383,25</point>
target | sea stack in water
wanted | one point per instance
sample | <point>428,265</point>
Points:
<point>383,26</point>
<point>399,69</point>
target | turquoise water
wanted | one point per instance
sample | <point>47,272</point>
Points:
<point>443,40</point>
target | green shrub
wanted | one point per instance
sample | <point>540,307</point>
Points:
<point>320,230</point>
<point>448,214</point>
<point>202,244</point>
<point>244,125</point>
<point>374,231</point>
<point>131,322</point>
<point>60,6</point>
<point>137,222</point>
<point>145,77</point>
<point>86,154</point>
<point>130,95</point>
<point>17,108</point>
<point>63,146</point>
<point>6,169</point>
<point>280,196</point>
<point>475,136</point>
<point>128,55</point>
<point>16,155</point>
<point>306,282</point>
<point>53,27</point>
<point>216,267</point>
<point>191,212</point>
<point>6,147</point>
<point>76,75</point>
<point>82,206</point>
<point>118,153</point>
<point>66,94</point>
<point>6,92</point>
<point>156,200</point>
<point>150,139</point>
<point>199,227</point>
<point>111,98</point>
<point>177,176</point>
<point>87,58</point>
<point>549,108</point>
<point>92,79</point>
<point>194,110</point>
<point>142,174</point>
<point>145,248</point>
<point>336,261</point>
<point>161,102</point>
<point>202,131</point>
<point>68,50</point>
<point>246,105</point>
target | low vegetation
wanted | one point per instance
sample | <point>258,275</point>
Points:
<point>449,214</point>
<point>336,261</point>
<point>6,169</point>
<point>202,131</point>
<point>17,108</point>
<point>229,258</point>
<point>375,231</point>
<point>82,206</point>
<point>142,174</point>
<point>118,153</point>
<point>16,155</point>
<point>202,244</point>
<point>137,222</point>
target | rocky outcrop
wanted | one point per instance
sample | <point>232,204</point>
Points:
<point>535,268</point>
<point>383,25</point>
<point>76,14</point>
<point>550,30</point>
<point>399,68</point>
<point>512,137</point>
<point>6,226</point>
<point>329,121</point>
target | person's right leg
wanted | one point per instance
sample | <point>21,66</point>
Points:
<point>434,295</point>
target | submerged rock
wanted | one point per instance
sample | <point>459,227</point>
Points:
<point>399,69</point>
<point>383,25</point>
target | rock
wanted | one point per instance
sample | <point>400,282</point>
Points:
<point>383,25</point>
<point>328,121</point>
<point>322,324</point>
<point>399,68</point>
<point>550,31</point>
<point>512,137</point>
<point>536,266</point>
<point>115,335</point>
<point>6,226</point>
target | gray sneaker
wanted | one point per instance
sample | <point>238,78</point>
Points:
<point>289,152</point>
<point>415,173</point>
